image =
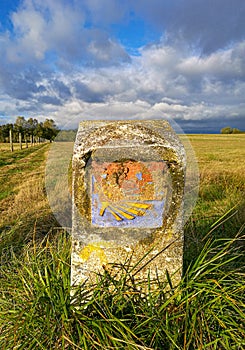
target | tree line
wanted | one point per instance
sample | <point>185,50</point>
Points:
<point>229,130</point>
<point>28,131</point>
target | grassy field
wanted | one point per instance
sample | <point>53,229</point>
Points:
<point>23,204</point>
<point>206,311</point>
<point>221,202</point>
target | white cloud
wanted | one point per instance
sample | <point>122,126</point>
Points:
<point>29,27</point>
<point>56,64</point>
<point>220,64</point>
<point>144,88</point>
<point>44,27</point>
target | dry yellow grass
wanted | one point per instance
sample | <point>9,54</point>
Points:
<point>219,154</point>
<point>220,209</point>
<point>28,200</point>
<point>23,198</point>
<point>4,147</point>
<point>221,160</point>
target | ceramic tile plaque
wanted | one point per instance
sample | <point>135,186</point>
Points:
<point>128,181</point>
<point>127,193</point>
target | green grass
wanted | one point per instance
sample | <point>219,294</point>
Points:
<point>207,309</point>
<point>5,194</point>
<point>7,158</point>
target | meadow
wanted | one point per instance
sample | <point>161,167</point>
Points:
<point>207,309</point>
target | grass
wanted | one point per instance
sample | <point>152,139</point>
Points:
<point>221,193</point>
<point>23,203</point>
<point>207,309</point>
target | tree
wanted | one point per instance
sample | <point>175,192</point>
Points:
<point>229,130</point>
<point>4,132</point>
<point>31,125</point>
<point>50,130</point>
<point>66,135</point>
<point>20,123</point>
<point>28,128</point>
<point>19,128</point>
<point>39,131</point>
<point>236,131</point>
<point>226,130</point>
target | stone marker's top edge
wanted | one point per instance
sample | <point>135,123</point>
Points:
<point>162,134</point>
<point>130,121</point>
<point>163,125</point>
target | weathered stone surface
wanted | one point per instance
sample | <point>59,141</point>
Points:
<point>128,183</point>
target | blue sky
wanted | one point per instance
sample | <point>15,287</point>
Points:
<point>76,59</point>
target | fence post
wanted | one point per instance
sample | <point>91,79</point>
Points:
<point>20,140</point>
<point>11,140</point>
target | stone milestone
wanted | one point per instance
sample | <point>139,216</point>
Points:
<point>128,187</point>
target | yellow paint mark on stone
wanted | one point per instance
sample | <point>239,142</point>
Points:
<point>122,213</point>
<point>116,216</point>
<point>103,208</point>
<point>125,211</point>
<point>139,205</point>
<point>97,250</point>
<point>132,210</point>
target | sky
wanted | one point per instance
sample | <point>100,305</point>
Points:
<point>71,60</point>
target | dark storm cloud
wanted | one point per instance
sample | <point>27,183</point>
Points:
<point>213,125</point>
<point>211,24</point>
<point>106,12</point>
<point>61,89</point>
<point>52,100</point>
<point>207,25</point>
<point>104,50</point>
<point>86,94</point>
<point>22,85</point>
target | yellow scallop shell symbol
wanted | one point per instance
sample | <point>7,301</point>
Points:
<point>124,188</point>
